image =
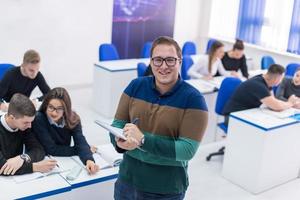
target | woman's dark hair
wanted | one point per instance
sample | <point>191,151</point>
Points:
<point>239,45</point>
<point>214,47</point>
<point>71,118</point>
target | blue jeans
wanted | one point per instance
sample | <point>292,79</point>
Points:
<point>124,191</point>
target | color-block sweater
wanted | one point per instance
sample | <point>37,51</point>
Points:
<point>173,125</point>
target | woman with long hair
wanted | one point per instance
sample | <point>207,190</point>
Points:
<point>289,89</point>
<point>56,124</point>
<point>209,65</point>
<point>235,59</point>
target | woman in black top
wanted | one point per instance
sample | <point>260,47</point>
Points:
<point>56,124</point>
<point>289,89</point>
<point>235,59</point>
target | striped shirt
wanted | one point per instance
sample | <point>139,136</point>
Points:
<point>173,125</point>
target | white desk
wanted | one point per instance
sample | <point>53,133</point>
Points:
<point>97,186</point>
<point>262,151</point>
<point>110,80</point>
<point>50,187</point>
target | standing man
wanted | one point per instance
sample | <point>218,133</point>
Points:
<point>164,120</point>
<point>14,136</point>
<point>256,91</point>
<point>23,79</point>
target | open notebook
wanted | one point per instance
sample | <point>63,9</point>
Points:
<point>64,164</point>
<point>106,157</point>
<point>281,114</point>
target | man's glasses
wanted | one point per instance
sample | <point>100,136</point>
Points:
<point>170,61</point>
<point>59,110</point>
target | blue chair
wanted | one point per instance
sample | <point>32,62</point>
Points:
<point>4,68</point>
<point>228,86</point>
<point>141,69</point>
<point>189,48</point>
<point>187,62</point>
<point>108,52</point>
<point>145,53</point>
<point>291,69</point>
<point>266,61</point>
<point>209,44</point>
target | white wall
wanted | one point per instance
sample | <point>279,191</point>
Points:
<point>192,22</point>
<point>67,34</point>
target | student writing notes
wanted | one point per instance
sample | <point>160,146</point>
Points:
<point>23,79</point>
<point>14,134</point>
<point>289,89</point>
<point>56,123</point>
<point>209,65</point>
<point>167,109</point>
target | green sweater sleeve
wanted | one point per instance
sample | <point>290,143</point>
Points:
<point>182,149</point>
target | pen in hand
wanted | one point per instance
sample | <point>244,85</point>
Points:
<point>135,121</point>
<point>49,156</point>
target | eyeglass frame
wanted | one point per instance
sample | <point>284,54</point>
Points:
<point>165,60</point>
<point>58,110</point>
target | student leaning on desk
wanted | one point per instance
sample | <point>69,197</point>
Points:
<point>289,89</point>
<point>209,65</point>
<point>14,134</point>
<point>23,79</point>
<point>56,124</point>
<point>164,119</point>
<point>235,59</point>
<point>256,91</point>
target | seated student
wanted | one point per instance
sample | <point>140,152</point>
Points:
<point>23,79</point>
<point>289,89</point>
<point>14,133</point>
<point>235,59</point>
<point>209,65</point>
<point>56,124</point>
<point>256,91</point>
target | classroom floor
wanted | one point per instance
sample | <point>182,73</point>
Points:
<point>205,177</point>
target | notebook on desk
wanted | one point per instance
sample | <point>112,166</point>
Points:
<point>281,114</point>
<point>63,164</point>
<point>105,156</point>
<point>109,154</point>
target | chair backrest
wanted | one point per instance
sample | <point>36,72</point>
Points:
<point>209,44</point>
<point>4,68</point>
<point>145,53</point>
<point>189,48</point>
<point>141,69</point>
<point>266,61</point>
<point>228,86</point>
<point>187,62</point>
<point>291,69</point>
<point>108,52</point>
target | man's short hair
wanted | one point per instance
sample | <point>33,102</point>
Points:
<point>20,106</point>
<point>31,56</point>
<point>168,41</point>
<point>275,69</point>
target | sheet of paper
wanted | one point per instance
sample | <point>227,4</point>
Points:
<point>115,131</point>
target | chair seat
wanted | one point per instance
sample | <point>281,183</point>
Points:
<point>223,126</point>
